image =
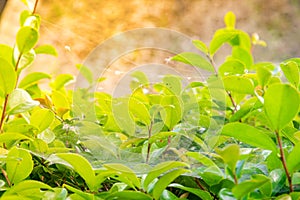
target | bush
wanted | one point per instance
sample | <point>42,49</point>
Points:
<point>232,136</point>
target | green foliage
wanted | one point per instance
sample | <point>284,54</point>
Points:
<point>233,136</point>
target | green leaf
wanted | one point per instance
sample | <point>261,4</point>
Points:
<point>86,73</point>
<point>172,110</point>
<point>194,60</point>
<point>25,60</point>
<point>19,165</point>
<point>291,72</point>
<point>32,21</point>
<point>232,67</point>
<point>12,136</point>
<point>128,195</point>
<point>201,46</point>
<point>238,84</point>
<point>140,112</point>
<point>243,55</point>
<point>281,104</point>
<point>61,80</point>
<point>263,75</point>
<point>8,77</point>
<point>6,53</point>
<point>57,194</point>
<point>130,175</point>
<point>160,169</point>
<point>46,49</point>
<point>249,135</point>
<point>42,119</point>
<point>278,178</point>
<point>167,195</point>
<point>122,115</point>
<point>173,83</point>
<point>26,188</point>
<point>165,180</point>
<point>32,79</point>
<point>79,195</point>
<point>248,186</point>
<point>27,37</point>
<point>81,166</point>
<point>199,193</point>
<point>230,155</point>
<point>20,101</point>
<point>23,16</point>
<point>220,37</point>
<point>293,162</point>
<point>204,160</point>
<point>229,20</point>
<point>138,79</point>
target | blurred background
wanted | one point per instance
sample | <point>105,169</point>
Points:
<point>76,27</point>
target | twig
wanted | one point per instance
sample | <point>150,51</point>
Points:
<point>282,158</point>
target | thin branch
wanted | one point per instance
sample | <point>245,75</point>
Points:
<point>212,62</point>
<point>3,115</point>
<point>35,7</point>
<point>149,144</point>
<point>5,176</point>
<point>282,158</point>
<point>232,101</point>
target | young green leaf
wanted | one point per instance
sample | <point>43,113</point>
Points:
<point>249,135</point>
<point>242,55</point>
<point>19,165</point>
<point>230,155</point>
<point>231,67</point>
<point>27,37</point>
<point>281,104</point>
<point>238,84</point>
<point>201,46</point>
<point>291,72</point>
<point>20,101</point>
<point>229,20</point>
<point>194,60</point>
<point>86,73</point>
<point>61,80</point>
<point>42,119</point>
<point>8,77</point>
<point>221,37</point>
<point>46,49</point>
<point>165,180</point>
<point>32,79</point>
<point>6,53</point>
<point>263,75</point>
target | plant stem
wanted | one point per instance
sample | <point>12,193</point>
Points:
<point>232,101</point>
<point>149,144</point>
<point>282,158</point>
<point>6,177</point>
<point>3,115</point>
<point>199,184</point>
<point>211,60</point>
<point>35,6</point>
